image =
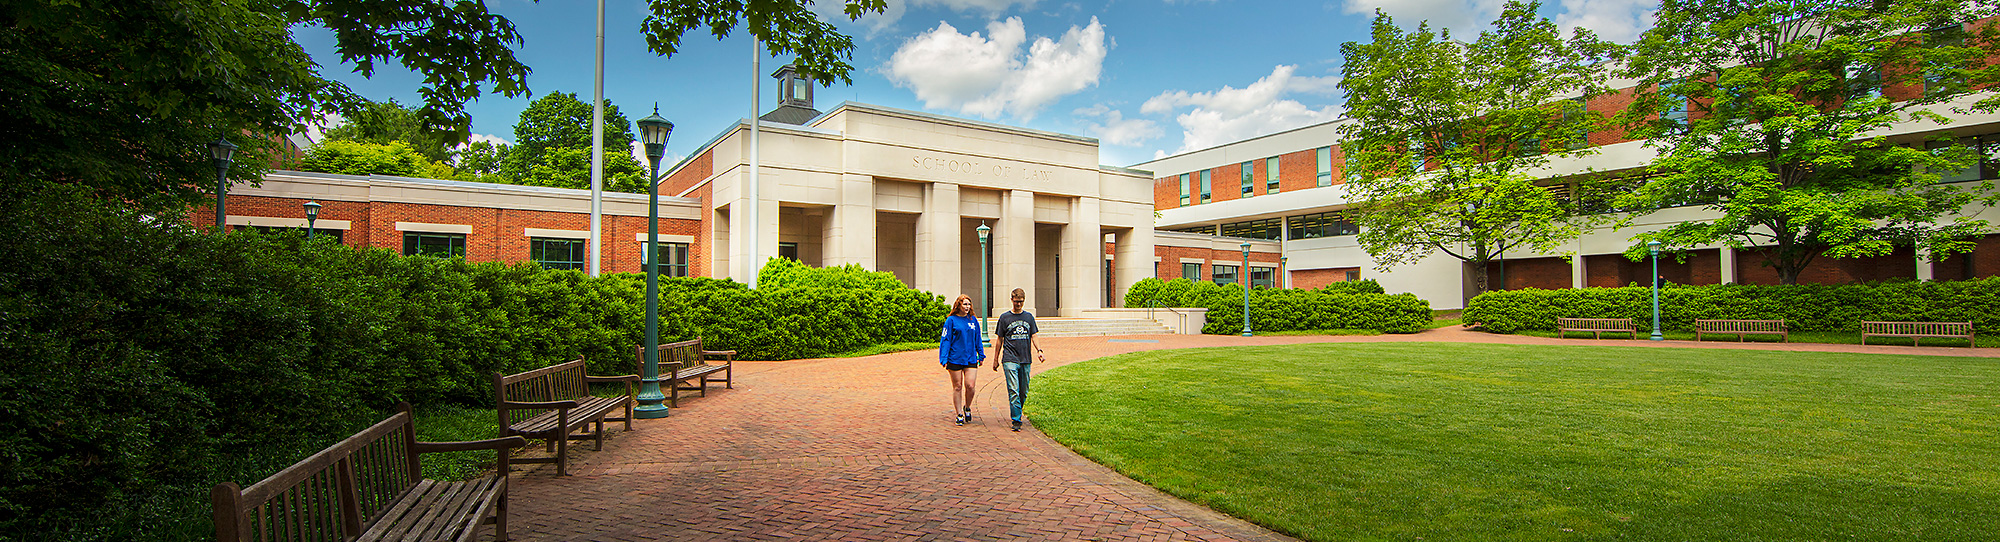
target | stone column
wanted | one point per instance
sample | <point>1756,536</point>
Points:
<point>938,239</point>
<point>1134,256</point>
<point>850,228</point>
<point>1727,260</point>
<point>1578,277</point>
<point>1926,269</point>
<point>738,223</point>
<point>767,232</point>
<point>1014,248</point>
<point>1082,258</point>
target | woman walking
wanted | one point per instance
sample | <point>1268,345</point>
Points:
<point>958,351</point>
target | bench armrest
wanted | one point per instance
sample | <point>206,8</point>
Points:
<point>510,405</point>
<point>488,444</point>
<point>724,354</point>
<point>606,379</point>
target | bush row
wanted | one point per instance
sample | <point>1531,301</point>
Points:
<point>1805,307</point>
<point>143,358</point>
<point>1342,305</point>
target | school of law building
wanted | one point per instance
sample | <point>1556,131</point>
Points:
<point>886,189</point>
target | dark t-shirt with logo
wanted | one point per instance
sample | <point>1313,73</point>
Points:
<point>1016,328</point>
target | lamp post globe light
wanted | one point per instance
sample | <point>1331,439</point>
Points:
<point>221,150</point>
<point>1653,247</point>
<point>653,131</point>
<point>985,282</point>
<point>1242,279</point>
<point>312,216</point>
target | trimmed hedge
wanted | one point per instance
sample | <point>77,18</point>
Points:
<point>1805,307</point>
<point>1342,305</point>
<point>146,361</point>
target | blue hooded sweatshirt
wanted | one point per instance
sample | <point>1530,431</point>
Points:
<point>960,342</point>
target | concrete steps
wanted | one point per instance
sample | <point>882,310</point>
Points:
<point>1093,327</point>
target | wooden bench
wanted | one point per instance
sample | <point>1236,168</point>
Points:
<point>685,361</point>
<point>1740,328</point>
<point>1596,326</point>
<point>1917,331</point>
<point>368,487</point>
<point>552,403</point>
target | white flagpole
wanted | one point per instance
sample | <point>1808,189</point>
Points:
<point>597,152</point>
<point>750,241</point>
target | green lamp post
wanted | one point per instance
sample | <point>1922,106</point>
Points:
<point>1654,248</point>
<point>653,130</point>
<point>312,216</point>
<point>221,150</point>
<point>985,281</point>
<point>1241,274</point>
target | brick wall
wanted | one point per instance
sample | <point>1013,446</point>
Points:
<point>1984,261</point>
<point>1307,279</point>
<point>1297,171</point>
<point>1750,268</point>
<point>1544,273</point>
<point>696,170</point>
<point>497,234</point>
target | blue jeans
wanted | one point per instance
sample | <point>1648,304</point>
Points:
<point>1017,386</point>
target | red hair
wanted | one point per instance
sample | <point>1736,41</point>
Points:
<point>968,305</point>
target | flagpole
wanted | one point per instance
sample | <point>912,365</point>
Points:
<point>750,240</point>
<point>597,152</point>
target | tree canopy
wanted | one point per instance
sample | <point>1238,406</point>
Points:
<point>382,123</point>
<point>1447,135</point>
<point>552,146</point>
<point>122,98</point>
<point>1775,115</point>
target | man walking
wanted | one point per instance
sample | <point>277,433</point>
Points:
<point>1016,334</point>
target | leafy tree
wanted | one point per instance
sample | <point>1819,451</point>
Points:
<point>1446,133</point>
<point>356,158</point>
<point>383,122</point>
<point>552,146</point>
<point>482,161</point>
<point>1772,117</point>
<point>122,98</point>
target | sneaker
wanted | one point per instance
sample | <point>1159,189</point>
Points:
<point>961,419</point>
<point>1017,426</point>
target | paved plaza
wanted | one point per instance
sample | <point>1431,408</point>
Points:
<point>864,449</point>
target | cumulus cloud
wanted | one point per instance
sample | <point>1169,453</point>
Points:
<point>1616,20</point>
<point>1463,17</point>
<point>494,139</point>
<point>1233,114</point>
<point>893,10</point>
<point>991,74</point>
<point>1110,126</point>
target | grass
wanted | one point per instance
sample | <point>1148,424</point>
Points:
<point>1318,332</point>
<point>1824,337</point>
<point>886,349</point>
<point>1396,441</point>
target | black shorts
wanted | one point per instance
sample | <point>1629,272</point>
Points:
<point>957,367</point>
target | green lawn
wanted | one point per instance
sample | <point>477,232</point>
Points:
<point>1829,337</point>
<point>1504,442</point>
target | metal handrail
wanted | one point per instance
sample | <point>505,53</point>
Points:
<point>1154,303</point>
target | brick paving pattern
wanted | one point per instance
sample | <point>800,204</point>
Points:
<point>864,449</point>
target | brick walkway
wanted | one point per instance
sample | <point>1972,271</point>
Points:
<point>864,449</point>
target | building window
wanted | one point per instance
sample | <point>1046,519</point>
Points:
<point>1184,189</point>
<point>1676,107</point>
<point>1325,157</point>
<point>442,245</point>
<point>1983,168</point>
<point>1205,185</point>
<point>1271,175</point>
<point>673,259</point>
<point>1952,36</point>
<point>788,251</point>
<point>556,253</point>
<point>1249,179</point>
<point>1203,230</point>
<point>1224,274</point>
<point>1863,82</point>
<point>1353,275</point>
<point>337,235</point>
<point>1269,228</point>
<point>1191,271</point>
<point>1260,277</point>
<point>1321,225</point>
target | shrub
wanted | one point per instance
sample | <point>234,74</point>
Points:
<point>1805,307</point>
<point>1359,305</point>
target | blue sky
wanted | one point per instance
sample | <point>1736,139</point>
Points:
<point>1147,77</point>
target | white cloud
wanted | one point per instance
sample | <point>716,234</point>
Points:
<point>1463,17</point>
<point>1233,114</point>
<point>494,139</point>
<point>1114,128</point>
<point>1615,20</point>
<point>990,74</point>
<point>893,10</point>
